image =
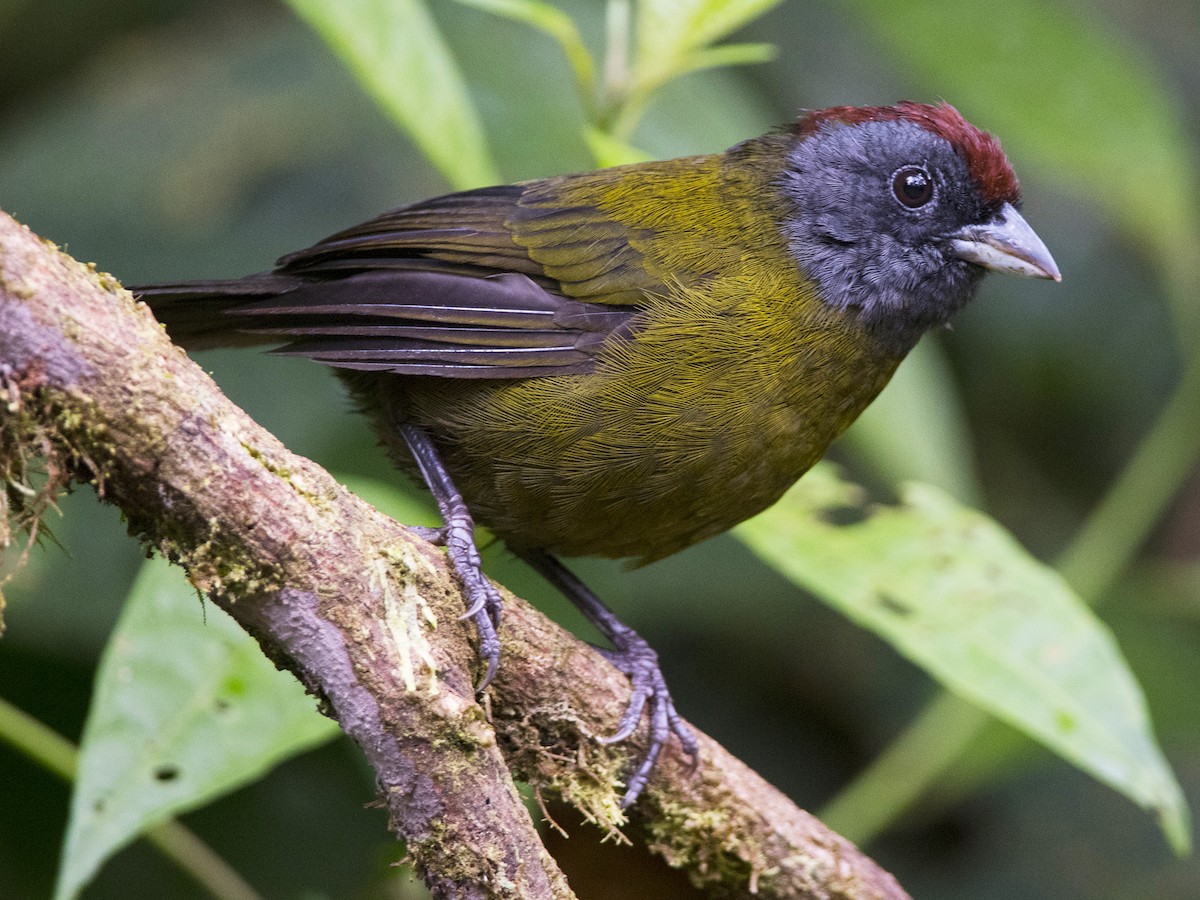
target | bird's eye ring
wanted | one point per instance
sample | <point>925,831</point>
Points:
<point>912,186</point>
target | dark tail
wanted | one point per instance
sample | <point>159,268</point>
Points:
<point>194,312</point>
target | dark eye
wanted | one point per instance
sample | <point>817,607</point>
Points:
<point>912,186</point>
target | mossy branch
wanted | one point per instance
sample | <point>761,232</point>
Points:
<point>92,390</point>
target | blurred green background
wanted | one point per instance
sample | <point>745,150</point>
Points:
<point>170,139</point>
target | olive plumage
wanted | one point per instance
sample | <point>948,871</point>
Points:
<point>626,362</point>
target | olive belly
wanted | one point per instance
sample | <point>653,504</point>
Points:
<point>578,466</point>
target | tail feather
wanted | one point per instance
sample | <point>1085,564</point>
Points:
<point>194,311</point>
<point>399,317</point>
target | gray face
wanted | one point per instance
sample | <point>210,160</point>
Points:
<point>876,206</point>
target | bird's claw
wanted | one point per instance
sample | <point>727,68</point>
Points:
<point>433,534</point>
<point>639,662</point>
<point>484,605</point>
<point>489,646</point>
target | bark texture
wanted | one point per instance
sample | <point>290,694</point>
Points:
<point>365,613</point>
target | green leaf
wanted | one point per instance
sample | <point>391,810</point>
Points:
<point>553,21</point>
<point>1067,91</point>
<point>729,55</point>
<point>395,49</point>
<point>610,151</point>
<point>185,708</point>
<point>956,594</point>
<point>669,29</point>
<point>673,37</point>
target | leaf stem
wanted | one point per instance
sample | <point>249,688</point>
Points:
<point>1119,525</point>
<point>897,777</point>
<point>617,37</point>
<point>56,754</point>
<point>184,847</point>
<point>38,741</point>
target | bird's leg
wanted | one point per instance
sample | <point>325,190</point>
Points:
<point>457,535</point>
<point>633,656</point>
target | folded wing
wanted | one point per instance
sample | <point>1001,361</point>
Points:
<point>470,285</point>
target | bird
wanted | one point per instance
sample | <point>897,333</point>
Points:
<point>625,362</point>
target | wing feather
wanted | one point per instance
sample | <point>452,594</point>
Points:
<point>434,323</point>
<point>504,282</point>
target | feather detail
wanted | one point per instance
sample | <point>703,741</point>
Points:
<point>432,323</point>
<point>989,167</point>
<point>401,320</point>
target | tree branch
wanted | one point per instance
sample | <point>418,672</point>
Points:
<point>348,600</point>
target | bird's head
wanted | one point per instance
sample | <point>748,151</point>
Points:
<point>897,211</point>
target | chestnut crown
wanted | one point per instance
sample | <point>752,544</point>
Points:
<point>897,211</point>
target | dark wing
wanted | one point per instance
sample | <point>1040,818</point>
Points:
<point>465,232</point>
<point>419,322</point>
<point>501,282</point>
